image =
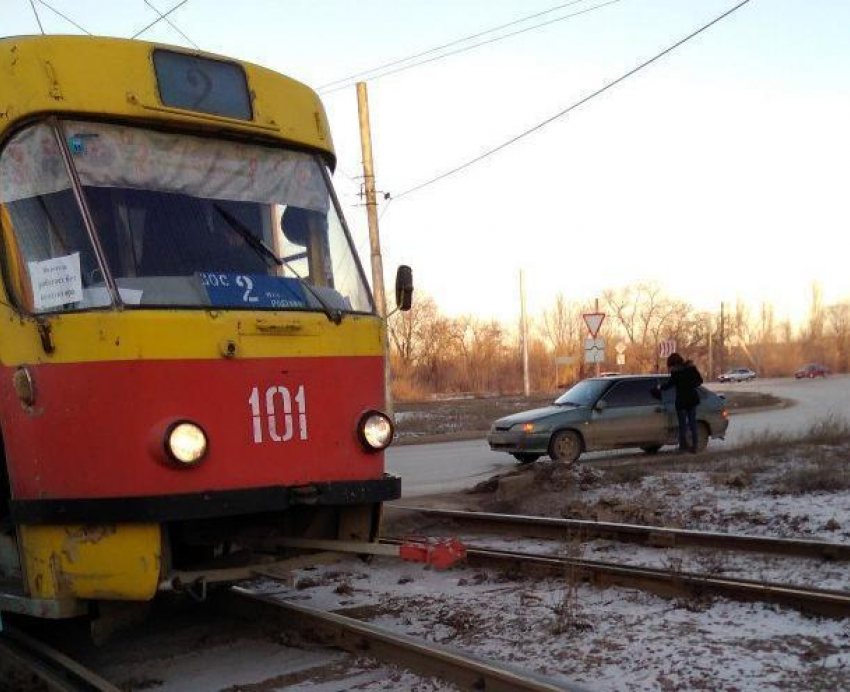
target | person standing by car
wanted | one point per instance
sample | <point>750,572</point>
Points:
<point>685,378</point>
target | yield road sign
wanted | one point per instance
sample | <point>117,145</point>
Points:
<point>593,320</point>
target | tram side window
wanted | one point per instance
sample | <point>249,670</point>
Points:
<point>49,261</point>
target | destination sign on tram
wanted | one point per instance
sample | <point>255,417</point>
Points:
<point>252,291</point>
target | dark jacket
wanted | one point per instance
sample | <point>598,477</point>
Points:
<point>686,379</point>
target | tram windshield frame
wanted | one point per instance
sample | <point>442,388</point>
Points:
<point>99,215</point>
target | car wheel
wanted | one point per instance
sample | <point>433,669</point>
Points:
<point>525,457</point>
<point>565,446</point>
<point>702,436</point>
<point>651,449</point>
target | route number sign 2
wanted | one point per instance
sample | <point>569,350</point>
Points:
<point>274,407</point>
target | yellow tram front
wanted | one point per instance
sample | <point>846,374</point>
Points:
<point>190,359</point>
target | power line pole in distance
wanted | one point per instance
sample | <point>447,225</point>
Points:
<point>374,236</point>
<point>526,385</point>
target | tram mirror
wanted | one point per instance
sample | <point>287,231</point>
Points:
<point>404,287</point>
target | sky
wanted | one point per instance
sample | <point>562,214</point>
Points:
<point>720,171</point>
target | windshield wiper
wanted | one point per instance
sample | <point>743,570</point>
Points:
<point>566,403</point>
<point>258,245</point>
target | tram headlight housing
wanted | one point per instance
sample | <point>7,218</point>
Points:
<point>375,431</point>
<point>186,443</point>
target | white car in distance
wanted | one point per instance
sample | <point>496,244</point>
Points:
<point>737,375</point>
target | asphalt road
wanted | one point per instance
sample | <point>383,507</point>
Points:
<point>449,466</point>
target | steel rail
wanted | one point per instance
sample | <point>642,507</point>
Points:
<point>57,671</point>
<point>460,668</point>
<point>826,602</point>
<point>655,536</point>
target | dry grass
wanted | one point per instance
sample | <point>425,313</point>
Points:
<point>821,474</point>
<point>568,616</point>
<point>829,430</point>
<point>761,451</point>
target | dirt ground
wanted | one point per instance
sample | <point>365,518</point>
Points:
<point>468,418</point>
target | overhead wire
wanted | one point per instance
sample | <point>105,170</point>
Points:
<point>441,56</point>
<point>65,17</point>
<point>37,18</point>
<point>464,39</point>
<point>568,109</point>
<point>159,19</point>
<point>172,24</point>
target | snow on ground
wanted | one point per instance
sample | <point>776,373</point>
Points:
<point>804,493</point>
<point>199,651</point>
<point>607,639</point>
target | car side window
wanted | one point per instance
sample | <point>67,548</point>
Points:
<point>631,393</point>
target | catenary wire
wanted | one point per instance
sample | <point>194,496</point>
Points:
<point>37,18</point>
<point>471,37</point>
<point>65,17</point>
<point>159,19</point>
<point>172,25</point>
<point>572,107</point>
<point>474,45</point>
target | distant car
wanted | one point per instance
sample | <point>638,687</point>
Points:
<point>610,374</point>
<point>812,370</point>
<point>604,413</point>
<point>737,375</point>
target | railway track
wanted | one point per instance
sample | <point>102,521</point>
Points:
<point>32,660</point>
<point>664,582</point>
<point>668,583</point>
<point>653,536</point>
<point>462,669</point>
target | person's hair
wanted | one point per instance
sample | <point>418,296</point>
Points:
<point>674,359</point>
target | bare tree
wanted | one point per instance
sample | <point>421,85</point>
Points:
<point>839,323</point>
<point>646,315</point>
<point>561,326</point>
<point>408,330</point>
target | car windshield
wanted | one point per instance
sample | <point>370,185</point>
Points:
<point>585,393</point>
<point>178,220</point>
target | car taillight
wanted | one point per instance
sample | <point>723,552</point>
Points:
<point>725,412</point>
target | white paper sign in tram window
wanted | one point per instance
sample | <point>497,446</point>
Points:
<point>56,282</point>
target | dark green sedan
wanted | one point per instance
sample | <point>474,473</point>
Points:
<point>605,413</point>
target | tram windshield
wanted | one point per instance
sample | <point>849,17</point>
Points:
<point>178,221</point>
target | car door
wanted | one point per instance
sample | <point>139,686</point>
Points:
<point>631,416</point>
<point>668,402</point>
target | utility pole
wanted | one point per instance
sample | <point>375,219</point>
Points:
<point>710,349</point>
<point>374,236</point>
<point>722,359</point>
<point>524,328</point>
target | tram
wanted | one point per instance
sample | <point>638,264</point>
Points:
<point>191,363</point>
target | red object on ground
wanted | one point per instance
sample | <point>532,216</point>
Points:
<point>441,553</point>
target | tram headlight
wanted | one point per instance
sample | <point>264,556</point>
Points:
<point>375,431</point>
<point>186,443</point>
